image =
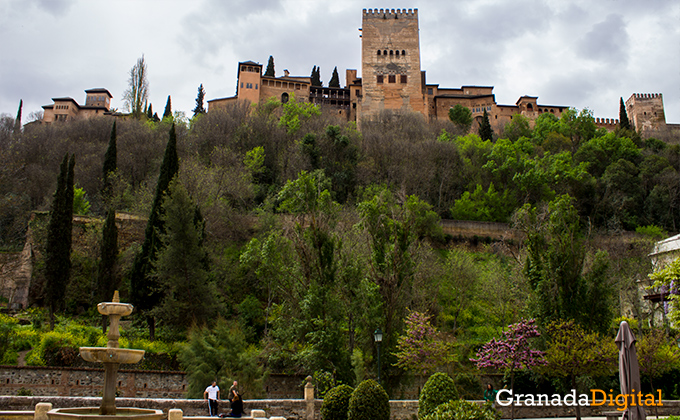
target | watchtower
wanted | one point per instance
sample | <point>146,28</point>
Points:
<point>645,111</point>
<point>390,62</point>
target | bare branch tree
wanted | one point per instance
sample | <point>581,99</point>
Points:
<point>137,92</point>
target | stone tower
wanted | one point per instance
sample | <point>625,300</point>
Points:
<point>390,62</point>
<point>645,111</point>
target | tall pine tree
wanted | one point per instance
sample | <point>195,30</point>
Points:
<point>485,131</point>
<point>58,248</point>
<point>624,122</point>
<point>335,79</point>
<point>110,163</point>
<point>168,108</point>
<point>199,101</point>
<point>145,293</point>
<point>270,68</point>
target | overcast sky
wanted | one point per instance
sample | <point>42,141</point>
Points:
<point>584,53</point>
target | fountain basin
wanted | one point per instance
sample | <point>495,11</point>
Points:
<point>115,308</point>
<point>92,413</point>
<point>111,355</point>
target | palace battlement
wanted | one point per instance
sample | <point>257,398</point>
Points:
<point>608,123</point>
<point>648,96</point>
<point>391,13</point>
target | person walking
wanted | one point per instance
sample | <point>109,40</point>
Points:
<point>212,395</point>
<point>233,390</point>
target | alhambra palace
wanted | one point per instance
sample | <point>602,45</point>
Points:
<point>391,80</point>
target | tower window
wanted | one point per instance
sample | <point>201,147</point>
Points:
<point>385,52</point>
<point>380,79</point>
<point>397,53</point>
<point>403,78</point>
<point>392,78</point>
<point>403,52</point>
<point>378,52</point>
<point>391,52</point>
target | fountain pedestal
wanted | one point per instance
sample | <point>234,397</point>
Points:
<point>111,356</point>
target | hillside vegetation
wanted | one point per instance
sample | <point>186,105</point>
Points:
<point>290,236</point>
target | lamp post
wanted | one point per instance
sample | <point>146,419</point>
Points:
<point>378,336</point>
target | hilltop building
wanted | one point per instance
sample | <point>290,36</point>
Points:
<point>392,79</point>
<point>97,102</point>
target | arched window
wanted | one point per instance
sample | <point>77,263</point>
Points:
<point>403,52</point>
<point>530,107</point>
<point>397,53</point>
<point>378,52</point>
<point>391,52</point>
<point>284,97</point>
<point>385,52</point>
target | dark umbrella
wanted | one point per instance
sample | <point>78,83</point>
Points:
<point>629,370</point>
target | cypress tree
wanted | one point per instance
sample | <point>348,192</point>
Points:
<point>624,122</point>
<point>316,76</point>
<point>485,131</point>
<point>199,101</point>
<point>270,68</point>
<point>145,294</point>
<point>149,112</point>
<point>168,108</point>
<point>335,79</point>
<point>107,282</point>
<point>58,247</point>
<point>110,162</point>
<point>17,121</point>
<point>146,108</point>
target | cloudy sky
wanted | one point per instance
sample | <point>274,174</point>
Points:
<point>581,53</point>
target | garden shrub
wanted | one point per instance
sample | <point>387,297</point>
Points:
<point>369,401</point>
<point>336,403</point>
<point>438,389</point>
<point>463,410</point>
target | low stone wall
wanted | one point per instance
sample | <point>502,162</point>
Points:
<point>89,382</point>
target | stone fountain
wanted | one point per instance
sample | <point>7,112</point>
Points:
<point>111,356</point>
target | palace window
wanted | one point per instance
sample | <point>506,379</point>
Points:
<point>403,78</point>
<point>378,52</point>
<point>392,78</point>
<point>380,79</point>
<point>403,52</point>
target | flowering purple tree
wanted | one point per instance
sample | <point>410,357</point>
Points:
<point>422,348</point>
<point>512,352</point>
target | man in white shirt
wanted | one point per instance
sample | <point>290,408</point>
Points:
<point>212,395</point>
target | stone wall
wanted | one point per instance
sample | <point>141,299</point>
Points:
<point>88,382</point>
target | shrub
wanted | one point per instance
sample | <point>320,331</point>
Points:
<point>438,389</point>
<point>461,409</point>
<point>336,403</point>
<point>369,401</point>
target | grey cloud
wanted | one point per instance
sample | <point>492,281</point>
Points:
<point>56,8</point>
<point>606,41</point>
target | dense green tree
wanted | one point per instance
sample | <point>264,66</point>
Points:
<point>168,108</point>
<point>107,280</point>
<point>145,292</point>
<point>180,267</point>
<point>110,162</point>
<point>335,79</point>
<point>569,283</point>
<point>572,352</point>
<point>485,131</point>
<point>59,239</point>
<point>624,123</point>
<point>199,109</point>
<point>461,116</point>
<point>516,128</point>
<point>270,68</point>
